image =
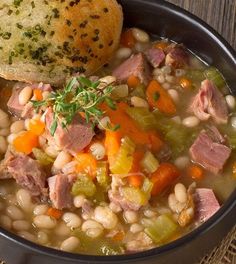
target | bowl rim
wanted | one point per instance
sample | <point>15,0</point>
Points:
<point>216,218</point>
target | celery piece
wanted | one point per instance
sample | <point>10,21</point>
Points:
<point>149,162</point>
<point>147,187</point>
<point>195,75</point>
<point>139,91</point>
<point>103,178</point>
<point>143,117</point>
<point>84,185</point>
<point>162,229</point>
<point>100,196</point>
<point>215,76</point>
<point>124,159</point>
<point>135,195</point>
<point>42,157</point>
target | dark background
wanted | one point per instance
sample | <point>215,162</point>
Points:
<point>220,14</point>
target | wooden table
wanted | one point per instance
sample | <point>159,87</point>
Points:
<point>220,14</point>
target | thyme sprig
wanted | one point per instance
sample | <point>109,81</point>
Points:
<point>80,95</point>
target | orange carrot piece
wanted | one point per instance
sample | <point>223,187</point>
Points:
<point>185,83</point>
<point>163,177</point>
<point>127,39</point>
<point>161,45</point>
<point>36,126</point>
<point>159,98</point>
<point>38,94</point>
<point>133,81</point>
<point>55,213</point>
<point>119,236</point>
<point>25,142</point>
<point>195,172</point>
<point>136,180</point>
<point>234,170</point>
<point>112,145</point>
<point>86,163</point>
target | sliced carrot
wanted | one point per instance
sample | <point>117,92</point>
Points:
<point>133,81</point>
<point>185,83</point>
<point>25,142</point>
<point>112,145</point>
<point>38,94</point>
<point>234,170</point>
<point>36,126</point>
<point>136,180</point>
<point>159,98</point>
<point>127,39</point>
<point>195,172</point>
<point>161,45</point>
<point>164,176</point>
<point>86,163</point>
<point>55,213</point>
<point>128,127</point>
<point>119,236</point>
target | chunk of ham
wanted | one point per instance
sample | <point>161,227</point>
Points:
<point>27,172</point>
<point>136,66</point>
<point>177,56</point>
<point>23,111</point>
<point>155,56</point>
<point>60,190</point>
<point>209,153</point>
<point>209,102</point>
<point>74,138</point>
<point>206,204</point>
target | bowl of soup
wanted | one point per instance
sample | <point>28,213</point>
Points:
<point>135,163</point>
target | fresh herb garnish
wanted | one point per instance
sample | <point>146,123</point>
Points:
<point>82,96</point>
<point>156,96</point>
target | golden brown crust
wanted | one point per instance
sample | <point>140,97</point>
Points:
<point>63,38</point>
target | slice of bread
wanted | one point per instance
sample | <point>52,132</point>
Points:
<point>48,40</point>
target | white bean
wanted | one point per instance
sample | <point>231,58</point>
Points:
<point>103,123</point>
<point>115,208</point>
<point>166,69</point>
<point>21,225</point>
<point>156,72</point>
<point>174,95</point>
<point>91,224</point>
<point>108,79</point>
<point>5,132</point>
<point>141,47</point>
<point>94,232</point>
<point>11,138</point>
<point>24,200</point>
<point>26,235</point>
<point>98,150</point>
<point>72,220</point>
<point>135,228</point>
<point>130,217</point>
<point>45,221</point>
<point>106,217</point>
<point>174,204</point>
<point>5,221</point>
<point>51,151</point>
<point>123,53</point>
<point>182,162</point>
<point>3,145</point>
<point>17,126</point>
<point>11,199</point>
<point>138,102</point>
<point>70,244</point>
<point>140,35</point>
<point>170,79</point>
<point>40,209</point>
<point>149,213</point>
<point>4,119</point>
<point>79,201</point>
<point>14,212</point>
<point>42,238</point>
<point>160,78</point>
<point>146,222</point>
<point>191,121</point>
<point>230,101</point>
<point>62,230</point>
<point>180,193</point>
<point>233,121</point>
<point>62,159</point>
<point>25,95</point>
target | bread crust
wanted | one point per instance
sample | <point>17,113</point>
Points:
<point>50,40</point>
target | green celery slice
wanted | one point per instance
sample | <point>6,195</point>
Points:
<point>215,76</point>
<point>124,159</point>
<point>42,157</point>
<point>135,195</point>
<point>149,162</point>
<point>139,91</point>
<point>84,185</point>
<point>162,229</point>
<point>103,177</point>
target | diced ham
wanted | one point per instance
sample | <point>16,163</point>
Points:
<point>60,190</point>
<point>206,204</point>
<point>155,56</point>
<point>209,102</point>
<point>22,111</point>
<point>136,66</point>
<point>177,56</point>
<point>117,198</point>
<point>211,155</point>
<point>28,174</point>
<point>141,242</point>
<point>74,138</point>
